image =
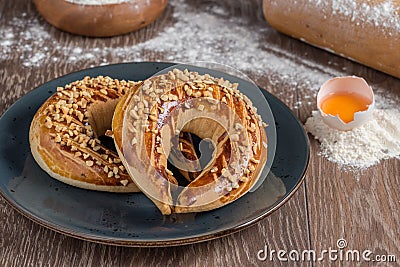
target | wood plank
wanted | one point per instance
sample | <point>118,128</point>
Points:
<point>25,243</point>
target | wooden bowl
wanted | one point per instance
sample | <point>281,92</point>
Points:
<point>100,20</point>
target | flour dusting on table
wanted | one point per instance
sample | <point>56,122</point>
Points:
<point>197,35</point>
<point>361,147</point>
<point>384,14</point>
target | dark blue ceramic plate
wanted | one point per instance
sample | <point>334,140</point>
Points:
<point>132,219</point>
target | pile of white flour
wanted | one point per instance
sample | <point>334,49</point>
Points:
<point>361,147</point>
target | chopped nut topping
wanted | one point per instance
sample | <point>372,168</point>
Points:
<point>109,133</point>
<point>265,144</point>
<point>207,94</point>
<point>256,161</point>
<point>89,163</point>
<point>57,139</point>
<point>124,182</point>
<point>65,110</point>
<point>153,118</point>
<point>169,172</point>
<point>48,124</point>
<point>238,126</point>
<point>164,97</point>
<point>244,179</point>
<point>252,127</point>
<point>80,115</point>
<point>83,103</point>
<point>115,170</point>
<point>234,137</point>
<point>159,150</point>
<point>197,94</point>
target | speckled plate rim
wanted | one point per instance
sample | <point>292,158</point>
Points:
<point>173,242</point>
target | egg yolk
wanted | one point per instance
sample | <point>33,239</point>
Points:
<point>345,105</point>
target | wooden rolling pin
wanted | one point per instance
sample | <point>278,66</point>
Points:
<point>366,31</point>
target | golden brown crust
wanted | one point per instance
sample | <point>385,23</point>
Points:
<point>218,184</point>
<point>100,20</point>
<point>63,135</point>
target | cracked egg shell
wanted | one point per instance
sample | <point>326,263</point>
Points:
<point>346,86</point>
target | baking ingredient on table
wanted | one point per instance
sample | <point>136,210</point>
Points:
<point>344,105</point>
<point>361,147</point>
<point>346,102</point>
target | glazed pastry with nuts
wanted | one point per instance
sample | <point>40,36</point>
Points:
<point>64,136</point>
<point>147,119</point>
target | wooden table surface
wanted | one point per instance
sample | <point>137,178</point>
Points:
<point>363,208</point>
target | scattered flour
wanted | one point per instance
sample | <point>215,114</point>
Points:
<point>197,35</point>
<point>361,147</point>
